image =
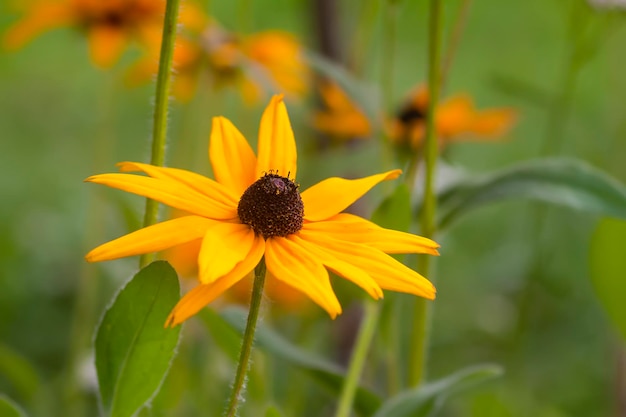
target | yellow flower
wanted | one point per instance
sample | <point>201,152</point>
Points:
<point>277,64</point>
<point>270,61</point>
<point>341,117</point>
<point>456,119</point>
<point>109,25</point>
<point>184,259</point>
<point>253,209</point>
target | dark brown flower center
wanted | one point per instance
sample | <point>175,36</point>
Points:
<point>272,206</point>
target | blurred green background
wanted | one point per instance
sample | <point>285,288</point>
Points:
<point>506,294</point>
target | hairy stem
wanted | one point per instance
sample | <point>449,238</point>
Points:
<point>248,339</point>
<point>161,107</point>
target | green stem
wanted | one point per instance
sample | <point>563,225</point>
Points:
<point>248,338</point>
<point>359,354</point>
<point>161,106</point>
<point>389,43</point>
<point>420,334</point>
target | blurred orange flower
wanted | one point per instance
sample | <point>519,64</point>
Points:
<point>269,62</point>
<point>340,117</point>
<point>109,25</point>
<point>457,119</point>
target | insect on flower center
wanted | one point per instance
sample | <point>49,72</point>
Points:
<point>272,206</point>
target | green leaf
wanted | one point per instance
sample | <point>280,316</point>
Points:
<point>395,211</point>
<point>227,338</point>
<point>133,349</point>
<point>608,269</point>
<point>19,372</point>
<point>426,399</point>
<point>326,373</point>
<point>8,408</point>
<point>567,182</point>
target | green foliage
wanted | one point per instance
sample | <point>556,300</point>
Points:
<point>19,372</point>
<point>568,182</point>
<point>133,349</point>
<point>329,375</point>
<point>9,409</point>
<point>607,262</point>
<point>427,399</point>
<point>395,211</point>
<point>224,335</point>
<point>273,412</point>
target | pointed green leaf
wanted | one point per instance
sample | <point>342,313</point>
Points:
<point>133,349</point>
<point>563,181</point>
<point>327,373</point>
<point>608,269</point>
<point>426,399</point>
<point>8,408</point>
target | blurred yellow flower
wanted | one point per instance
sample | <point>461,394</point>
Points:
<point>457,119</point>
<point>109,25</point>
<point>340,117</point>
<point>254,210</point>
<point>269,62</point>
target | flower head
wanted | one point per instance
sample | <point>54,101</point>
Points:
<point>341,117</point>
<point>456,119</point>
<point>262,62</point>
<point>108,25</point>
<point>254,209</point>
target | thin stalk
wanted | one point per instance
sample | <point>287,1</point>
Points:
<point>359,354</point>
<point>420,333</point>
<point>248,338</point>
<point>362,37</point>
<point>389,46</point>
<point>386,74</point>
<point>455,40</point>
<point>161,107</point>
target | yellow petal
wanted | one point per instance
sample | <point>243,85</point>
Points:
<point>231,156</point>
<point>358,230</point>
<point>276,146</point>
<point>168,192</point>
<point>292,264</point>
<point>386,271</point>
<point>40,18</point>
<point>196,299</point>
<point>194,181</point>
<point>152,238</point>
<point>340,267</point>
<point>333,195</point>
<point>223,247</point>
<point>106,44</point>
<point>202,295</point>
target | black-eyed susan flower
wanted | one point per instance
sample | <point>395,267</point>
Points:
<point>184,259</point>
<point>255,64</point>
<point>109,25</point>
<point>340,117</point>
<point>254,209</point>
<point>456,119</point>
